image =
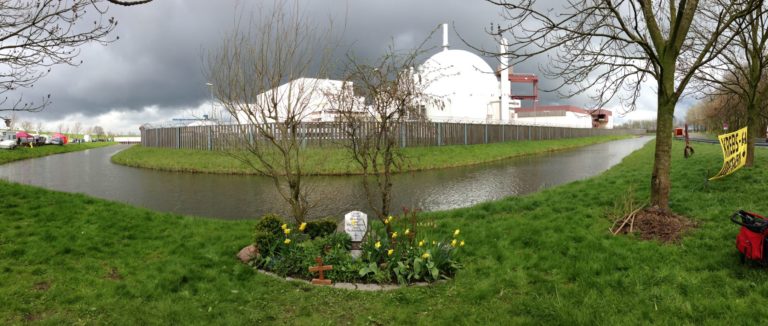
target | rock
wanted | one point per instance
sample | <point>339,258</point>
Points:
<point>247,254</point>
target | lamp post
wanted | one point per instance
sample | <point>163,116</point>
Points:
<point>210,86</point>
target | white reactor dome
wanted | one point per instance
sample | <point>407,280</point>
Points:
<point>464,82</point>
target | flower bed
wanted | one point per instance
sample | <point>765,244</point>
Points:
<point>412,251</point>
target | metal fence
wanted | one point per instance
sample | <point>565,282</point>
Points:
<point>332,134</point>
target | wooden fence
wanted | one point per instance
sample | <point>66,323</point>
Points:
<point>332,134</point>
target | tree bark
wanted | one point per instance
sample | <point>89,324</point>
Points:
<point>660,179</point>
<point>753,131</point>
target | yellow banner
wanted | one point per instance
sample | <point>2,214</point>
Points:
<point>734,147</point>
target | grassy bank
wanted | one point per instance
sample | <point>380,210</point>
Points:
<point>23,153</point>
<point>546,258</point>
<point>337,161</point>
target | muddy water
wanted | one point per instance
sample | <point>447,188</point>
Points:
<point>239,197</point>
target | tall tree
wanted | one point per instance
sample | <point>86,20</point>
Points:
<point>739,74</point>
<point>609,48</point>
<point>259,76</point>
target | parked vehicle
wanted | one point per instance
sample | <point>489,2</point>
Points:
<point>59,139</point>
<point>39,140</point>
<point>56,141</point>
<point>8,140</point>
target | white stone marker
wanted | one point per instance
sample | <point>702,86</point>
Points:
<point>356,224</point>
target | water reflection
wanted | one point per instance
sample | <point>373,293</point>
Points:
<point>236,197</point>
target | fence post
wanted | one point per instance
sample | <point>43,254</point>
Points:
<point>503,128</point>
<point>178,137</point>
<point>439,134</point>
<point>486,133</point>
<point>465,134</point>
<point>210,135</point>
<point>402,135</point>
<point>157,137</point>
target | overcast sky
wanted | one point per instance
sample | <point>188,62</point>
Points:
<point>154,73</point>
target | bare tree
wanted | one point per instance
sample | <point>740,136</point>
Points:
<point>259,76</point>
<point>37,35</point>
<point>98,131</point>
<point>377,99</point>
<point>609,48</point>
<point>26,125</point>
<point>39,126</point>
<point>77,128</point>
<point>739,75</point>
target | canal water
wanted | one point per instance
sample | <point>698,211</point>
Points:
<point>243,197</point>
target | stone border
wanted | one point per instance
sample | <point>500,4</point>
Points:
<point>353,286</point>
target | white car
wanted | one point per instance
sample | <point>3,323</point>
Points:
<point>8,140</point>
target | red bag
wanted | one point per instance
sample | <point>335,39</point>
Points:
<point>751,239</point>
<point>750,244</point>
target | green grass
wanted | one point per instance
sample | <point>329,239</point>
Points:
<point>336,161</point>
<point>545,258</point>
<point>23,153</point>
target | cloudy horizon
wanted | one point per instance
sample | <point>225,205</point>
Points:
<point>154,72</point>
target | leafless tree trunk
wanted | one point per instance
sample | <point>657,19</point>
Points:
<point>608,48</point>
<point>260,76</point>
<point>378,98</point>
<point>37,35</point>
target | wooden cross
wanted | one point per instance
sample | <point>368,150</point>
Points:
<point>320,268</point>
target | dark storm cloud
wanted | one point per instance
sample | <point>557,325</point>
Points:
<point>158,59</point>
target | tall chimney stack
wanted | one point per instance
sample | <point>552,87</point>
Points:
<point>445,37</point>
<point>504,81</point>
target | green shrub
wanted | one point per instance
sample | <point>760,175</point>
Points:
<point>321,228</point>
<point>270,223</point>
<point>266,242</point>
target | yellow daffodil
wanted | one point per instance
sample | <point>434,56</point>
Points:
<point>434,242</point>
<point>425,255</point>
<point>421,243</point>
<point>390,252</point>
<point>453,243</point>
<point>377,245</point>
<point>407,231</point>
<point>302,227</point>
<point>287,241</point>
<point>284,226</point>
<point>456,233</point>
<point>394,234</point>
<point>287,231</point>
<point>390,219</point>
<point>461,244</point>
